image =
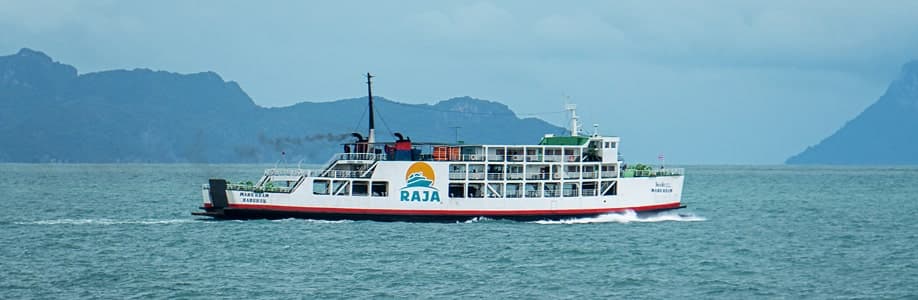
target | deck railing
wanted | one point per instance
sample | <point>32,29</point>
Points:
<point>315,173</point>
<point>653,172</point>
<point>476,176</point>
<point>360,156</point>
<point>253,188</point>
<point>553,158</point>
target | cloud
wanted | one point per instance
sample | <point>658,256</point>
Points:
<point>480,20</point>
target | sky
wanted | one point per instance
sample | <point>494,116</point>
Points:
<point>703,82</point>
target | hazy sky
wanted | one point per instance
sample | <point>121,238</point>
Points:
<point>701,81</point>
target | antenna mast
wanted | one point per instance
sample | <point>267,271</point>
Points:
<point>371,138</point>
<point>575,123</point>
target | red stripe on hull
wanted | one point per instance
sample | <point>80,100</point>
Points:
<point>483,213</point>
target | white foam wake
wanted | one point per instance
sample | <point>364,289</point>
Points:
<point>478,220</point>
<point>104,222</point>
<point>313,221</point>
<point>629,216</point>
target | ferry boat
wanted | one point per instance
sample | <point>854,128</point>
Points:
<point>561,177</point>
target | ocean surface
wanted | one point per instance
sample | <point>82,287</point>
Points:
<point>125,231</point>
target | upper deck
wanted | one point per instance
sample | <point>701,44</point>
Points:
<point>550,149</point>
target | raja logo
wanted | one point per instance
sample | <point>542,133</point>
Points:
<point>420,178</point>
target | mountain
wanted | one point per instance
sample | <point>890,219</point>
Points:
<point>50,113</point>
<point>886,133</point>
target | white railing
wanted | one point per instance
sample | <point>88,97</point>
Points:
<point>472,157</point>
<point>336,174</point>
<point>457,176</point>
<point>254,188</point>
<point>535,176</point>
<point>654,172</point>
<point>315,173</point>
<point>553,158</point>
<point>287,172</point>
<point>360,156</point>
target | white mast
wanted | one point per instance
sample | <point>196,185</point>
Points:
<point>575,123</point>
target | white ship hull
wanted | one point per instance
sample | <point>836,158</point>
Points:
<point>304,201</point>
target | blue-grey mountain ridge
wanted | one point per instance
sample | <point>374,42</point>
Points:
<point>51,113</point>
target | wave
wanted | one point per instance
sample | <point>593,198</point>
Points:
<point>629,216</point>
<point>314,221</point>
<point>478,220</point>
<point>104,222</point>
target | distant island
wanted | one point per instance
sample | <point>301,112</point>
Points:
<point>50,113</point>
<point>886,133</point>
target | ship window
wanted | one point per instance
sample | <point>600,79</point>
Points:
<point>380,188</point>
<point>532,190</point>
<point>607,145</point>
<point>456,190</point>
<point>589,188</point>
<point>495,172</point>
<point>495,189</point>
<point>515,172</point>
<point>340,187</point>
<point>476,190</point>
<point>609,188</point>
<point>535,172</point>
<point>571,190</point>
<point>556,172</point>
<point>551,189</point>
<point>320,187</point>
<point>513,190</point>
<point>476,172</point>
<point>608,171</point>
<point>361,188</point>
<point>611,144</point>
<point>456,171</point>
<point>572,172</point>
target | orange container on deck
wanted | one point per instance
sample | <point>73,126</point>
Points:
<point>439,152</point>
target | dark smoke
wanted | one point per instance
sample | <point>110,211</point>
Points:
<point>285,143</point>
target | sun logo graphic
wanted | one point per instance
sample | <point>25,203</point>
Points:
<point>419,180</point>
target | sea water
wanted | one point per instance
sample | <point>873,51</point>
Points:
<point>124,231</point>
